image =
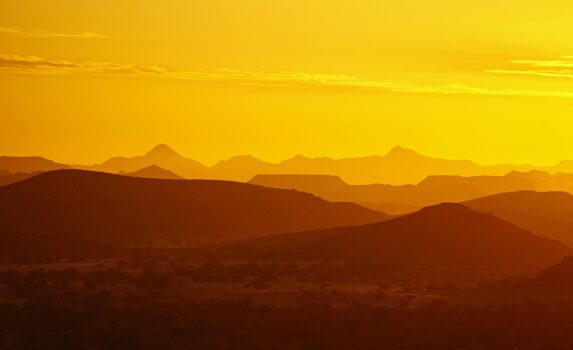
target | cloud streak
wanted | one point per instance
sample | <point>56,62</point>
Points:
<point>45,34</point>
<point>39,65</point>
<point>554,68</point>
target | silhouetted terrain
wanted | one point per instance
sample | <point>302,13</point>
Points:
<point>154,172</point>
<point>430,191</point>
<point>161,155</point>
<point>112,208</point>
<point>399,166</point>
<point>29,164</point>
<point>545,213</point>
<point>446,237</point>
<point>560,275</point>
<point>8,178</point>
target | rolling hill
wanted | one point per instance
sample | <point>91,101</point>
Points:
<point>450,238</point>
<point>29,164</point>
<point>545,213</point>
<point>407,198</point>
<point>118,209</point>
<point>559,275</point>
<point>154,172</point>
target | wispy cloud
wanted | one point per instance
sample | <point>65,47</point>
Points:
<point>558,68</point>
<point>45,34</point>
<point>39,65</point>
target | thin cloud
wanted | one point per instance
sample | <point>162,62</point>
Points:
<point>45,34</point>
<point>555,68</point>
<point>39,65</point>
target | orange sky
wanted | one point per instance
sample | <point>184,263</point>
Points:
<point>487,80</point>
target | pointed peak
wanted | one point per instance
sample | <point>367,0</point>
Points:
<point>399,151</point>
<point>162,150</point>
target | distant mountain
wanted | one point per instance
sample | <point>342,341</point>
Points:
<point>450,238</point>
<point>430,191</point>
<point>399,166</point>
<point>29,164</point>
<point>13,178</point>
<point>545,213</point>
<point>162,156</point>
<point>108,208</point>
<point>154,172</point>
<point>560,275</point>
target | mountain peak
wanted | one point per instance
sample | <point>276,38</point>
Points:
<point>154,172</point>
<point>162,150</point>
<point>399,151</point>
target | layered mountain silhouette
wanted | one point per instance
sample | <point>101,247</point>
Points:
<point>430,191</point>
<point>545,213</point>
<point>399,166</point>
<point>559,275</point>
<point>162,156</point>
<point>7,178</point>
<point>154,172</point>
<point>106,208</point>
<point>446,237</point>
<point>29,164</point>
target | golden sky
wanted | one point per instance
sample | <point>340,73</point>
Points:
<point>486,80</point>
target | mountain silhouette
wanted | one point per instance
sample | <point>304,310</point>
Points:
<point>559,275</point>
<point>430,191</point>
<point>29,164</point>
<point>9,178</point>
<point>545,213</point>
<point>446,237</point>
<point>162,156</point>
<point>123,210</point>
<point>398,167</point>
<point>154,172</point>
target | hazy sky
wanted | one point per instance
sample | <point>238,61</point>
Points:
<point>486,80</point>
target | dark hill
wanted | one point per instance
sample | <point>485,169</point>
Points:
<point>446,237</point>
<point>545,213</point>
<point>560,275</point>
<point>112,208</point>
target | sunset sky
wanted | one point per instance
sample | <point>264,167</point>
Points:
<point>491,81</point>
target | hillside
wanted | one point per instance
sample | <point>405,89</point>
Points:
<point>155,172</point>
<point>432,190</point>
<point>112,208</point>
<point>449,237</point>
<point>545,213</point>
<point>559,275</point>
<point>29,164</point>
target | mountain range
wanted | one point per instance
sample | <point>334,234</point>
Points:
<point>447,238</point>
<point>103,208</point>
<point>545,213</point>
<point>430,191</point>
<point>399,166</point>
